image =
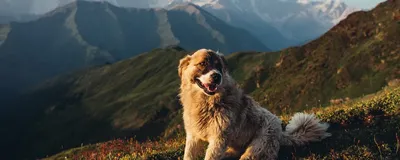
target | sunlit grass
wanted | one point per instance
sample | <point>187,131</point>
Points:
<point>368,127</point>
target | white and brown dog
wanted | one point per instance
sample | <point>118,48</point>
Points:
<point>234,125</point>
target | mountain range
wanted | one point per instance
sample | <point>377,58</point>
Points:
<point>277,23</point>
<point>65,39</point>
<point>84,34</point>
<point>138,96</point>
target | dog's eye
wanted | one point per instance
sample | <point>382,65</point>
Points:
<point>202,64</point>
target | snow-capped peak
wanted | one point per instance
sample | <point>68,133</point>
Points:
<point>332,10</point>
<point>303,1</point>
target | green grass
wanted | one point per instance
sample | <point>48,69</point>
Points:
<point>365,128</point>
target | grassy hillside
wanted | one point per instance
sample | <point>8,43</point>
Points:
<point>356,57</point>
<point>138,96</point>
<point>111,101</point>
<point>83,34</point>
<point>365,128</point>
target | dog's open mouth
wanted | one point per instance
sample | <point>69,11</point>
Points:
<point>210,89</point>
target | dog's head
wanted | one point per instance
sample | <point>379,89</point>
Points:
<point>205,69</point>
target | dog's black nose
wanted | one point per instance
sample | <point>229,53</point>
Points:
<point>216,78</point>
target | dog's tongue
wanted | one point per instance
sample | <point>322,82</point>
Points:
<point>211,87</point>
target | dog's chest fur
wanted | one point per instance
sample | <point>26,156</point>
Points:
<point>229,114</point>
<point>205,120</point>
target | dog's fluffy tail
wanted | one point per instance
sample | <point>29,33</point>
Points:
<point>304,128</point>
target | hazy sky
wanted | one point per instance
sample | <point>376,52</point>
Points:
<point>364,4</point>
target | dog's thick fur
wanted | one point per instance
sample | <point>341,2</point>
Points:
<point>233,124</point>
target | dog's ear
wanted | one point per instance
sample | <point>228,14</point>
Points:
<point>224,63</point>
<point>223,60</point>
<point>184,62</point>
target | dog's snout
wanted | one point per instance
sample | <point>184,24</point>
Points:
<point>216,77</point>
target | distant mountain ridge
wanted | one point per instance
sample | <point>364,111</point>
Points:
<point>83,34</point>
<point>327,10</point>
<point>331,10</point>
<point>279,24</point>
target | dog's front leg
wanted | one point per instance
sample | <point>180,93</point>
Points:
<point>192,148</point>
<point>216,149</point>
